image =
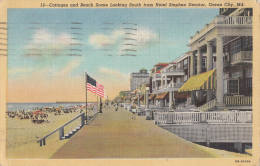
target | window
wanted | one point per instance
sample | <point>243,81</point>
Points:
<point>204,62</point>
<point>233,86</point>
<point>247,43</point>
<point>235,46</point>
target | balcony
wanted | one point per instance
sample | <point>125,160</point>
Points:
<point>241,57</point>
<point>156,76</point>
<point>177,72</point>
<point>167,88</point>
<point>238,100</point>
<point>222,20</point>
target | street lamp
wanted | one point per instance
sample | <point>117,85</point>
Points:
<point>146,98</point>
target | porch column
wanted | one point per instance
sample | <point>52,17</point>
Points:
<point>199,62</point>
<point>219,70</point>
<point>209,56</point>
<point>147,97</point>
<point>192,64</point>
<point>138,100</point>
<point>170,99</point>
<point>165,82</point>
<point>209,65</point>
<point>193,97</point>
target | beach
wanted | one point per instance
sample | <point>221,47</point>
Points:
<point>22,134</point>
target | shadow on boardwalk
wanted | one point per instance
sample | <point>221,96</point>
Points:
<point>123,135</point>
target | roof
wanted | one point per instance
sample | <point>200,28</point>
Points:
<point>161,64</point>
<point>197,82</point>
<point>161,96</point>
<point>159,71</point>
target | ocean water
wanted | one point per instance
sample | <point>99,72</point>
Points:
<point>33,106</point>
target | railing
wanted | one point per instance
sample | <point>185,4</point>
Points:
<point>223,20</point>
<point>238,100</point>
<point>42,141</point>
<point>237,20</point>
<point>203,117</point>
<point>242,56</point>
<point>209,105</point>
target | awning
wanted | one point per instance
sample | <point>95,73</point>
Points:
<point>141,97</point>
<point>134,98</point>
<point>201,81</point>
<point>161,96</point>
<point>180,95</point>
<point>151,97</point>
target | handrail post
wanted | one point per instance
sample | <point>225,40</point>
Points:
<point>43,141</point>
<point>61,132</point>
<point>82,120</point>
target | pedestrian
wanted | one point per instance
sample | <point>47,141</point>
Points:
<point>116,107</point>
<point>100,109</point>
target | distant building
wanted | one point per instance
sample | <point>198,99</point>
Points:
<point>137,79</point>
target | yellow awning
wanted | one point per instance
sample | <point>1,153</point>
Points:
<point>204,80</point>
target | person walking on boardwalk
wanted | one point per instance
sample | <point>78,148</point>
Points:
<point>116,107</point>
<point>100,107</point>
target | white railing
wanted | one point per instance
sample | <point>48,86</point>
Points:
<point>229,117</point>
<point>238,100</point>
<point>209,105</point>
<point>241,57</point>
<point>237,20</point>
<point>203,117</point>
<point>224,20</point>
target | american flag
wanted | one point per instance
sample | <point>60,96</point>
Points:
<point>94,87</point>
<point>91,84</point>
<point>100,90</point>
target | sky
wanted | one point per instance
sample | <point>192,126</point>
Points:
<point>49,50</point>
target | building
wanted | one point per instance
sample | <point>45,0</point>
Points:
<point>137,79</point>
<point>218,67</point>
<point>166,78</point>
<point>225,46</point>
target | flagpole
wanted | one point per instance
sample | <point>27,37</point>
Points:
<point>100,105</point>
<point>97,102</point>
<point>86,97</point>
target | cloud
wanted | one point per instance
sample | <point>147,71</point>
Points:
<point>46,43</point>
<point>70,67</point>
<point>101,40</point>
<point>145,37</point>
<point>121,42</point>
<point>113,73</point>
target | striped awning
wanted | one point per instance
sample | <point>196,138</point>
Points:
<point>161,96</point>
<point>201,81</point>
<point>151,96</point>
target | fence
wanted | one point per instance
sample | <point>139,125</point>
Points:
<point>237,20</point>
<point>202,117</point>
<point>42,141</point>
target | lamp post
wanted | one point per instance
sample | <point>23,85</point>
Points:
<point>147,97</point>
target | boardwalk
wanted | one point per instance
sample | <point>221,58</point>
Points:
<point>123,135</point>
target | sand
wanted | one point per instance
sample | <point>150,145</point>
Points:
<point>22,135</point>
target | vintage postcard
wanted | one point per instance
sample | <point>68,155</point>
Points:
<point>129,82</point>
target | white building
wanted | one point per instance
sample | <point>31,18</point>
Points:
<point>137,79</point>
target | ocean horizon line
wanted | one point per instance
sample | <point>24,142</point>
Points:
<point>50,102</point>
